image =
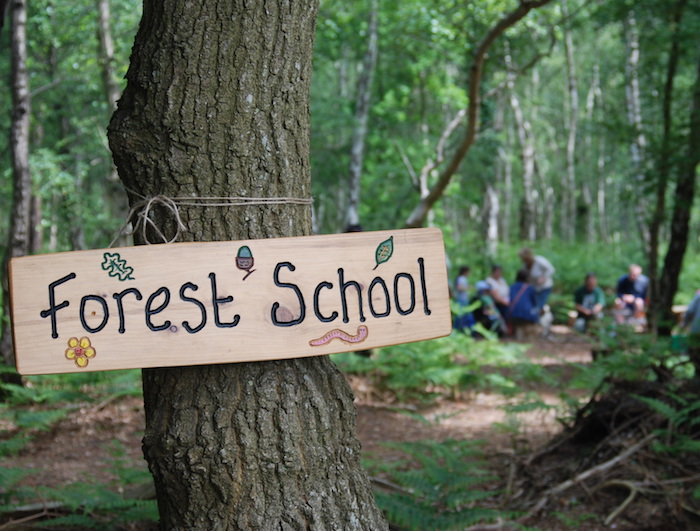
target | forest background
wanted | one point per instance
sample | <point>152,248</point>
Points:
<point>582,146</point>
<point>572,126</point>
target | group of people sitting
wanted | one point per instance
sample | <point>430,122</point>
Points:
<point>630,300</point>
<point>503,307</point>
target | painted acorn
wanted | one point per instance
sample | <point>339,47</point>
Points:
<point>244,260</point>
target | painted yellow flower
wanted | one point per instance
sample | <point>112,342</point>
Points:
<point>80,351</point>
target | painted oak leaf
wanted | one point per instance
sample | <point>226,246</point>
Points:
<point>384,252</point>
<point>116,266</point>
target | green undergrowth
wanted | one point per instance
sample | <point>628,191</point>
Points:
<point>439,486</point>
<point>448,366</point>
<point>447,485</point>
<point>39,405</point>
<point>85,504</point>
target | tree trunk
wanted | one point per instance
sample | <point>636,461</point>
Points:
<point>106,55</point>
<point>663,169</point>
<point>364,93</point>
<point>680,223</point>
<point>569,206</point>
<point>634,118</point>
<point>21,223</point>
<point>601,197</point>
<point>527,154</point>
<point>591,98</point>
<point>112,189</point>
<point>492,203</point>
<point>217,105</point>
<point>492,210</point>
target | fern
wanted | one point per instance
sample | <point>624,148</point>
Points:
<point>30,394</point>
<point>9,477</point>
<point>10,491</point>
<point>661,407</point>
<point>442,365</point>
<point>673,439</point>
<point>40,419</point>
<point>79,521</point>
<point>14,444</point>
<point>443,491</point>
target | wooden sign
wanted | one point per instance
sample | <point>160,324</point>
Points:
<point>220,302</point>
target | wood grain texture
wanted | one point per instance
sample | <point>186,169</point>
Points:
<point>409,301</point>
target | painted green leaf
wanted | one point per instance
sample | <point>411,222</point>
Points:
<point>116,266</point>
<point>384,251</point>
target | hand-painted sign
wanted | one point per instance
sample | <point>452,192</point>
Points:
<point>222,302</point>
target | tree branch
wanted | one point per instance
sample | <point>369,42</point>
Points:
<point>417,217</point>
<point>588,473</point>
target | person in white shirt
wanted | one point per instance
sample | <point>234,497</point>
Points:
<point>540,273</point>
<point>500,290</point>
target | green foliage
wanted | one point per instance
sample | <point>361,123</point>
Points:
<point>85,504</point>
<point>681,412</point>
<point>30,394</point>
<point>39,405</point>
<point>423,370</point>
<point>575,521</point>
<point>624,354</point>
<point>14,444</point>
<point>12,493</point>
<point>444,486</point>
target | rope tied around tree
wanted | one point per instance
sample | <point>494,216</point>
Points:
<point>141,210</point>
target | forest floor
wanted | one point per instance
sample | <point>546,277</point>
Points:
<point>83,444</point>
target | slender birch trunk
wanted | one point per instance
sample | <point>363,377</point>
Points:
<point>634,118</point>
<point>527,153</point>
<point>364,93</point>
<point>20,237</point>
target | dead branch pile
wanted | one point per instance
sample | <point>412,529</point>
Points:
<point>633,453</point>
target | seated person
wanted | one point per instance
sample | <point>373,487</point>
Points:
<point>523,301</point>
<point>463,319</point>
<point>540,273</point>
<point>631,295</point>
<point>590,301</point>
<point>487,314</point>
<point>500,291</point>
<point>691,323</point>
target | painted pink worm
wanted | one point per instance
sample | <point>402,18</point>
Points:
<point>337,333</point>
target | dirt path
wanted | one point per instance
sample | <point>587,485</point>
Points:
<point>83,444</point>
<point>479,415</point>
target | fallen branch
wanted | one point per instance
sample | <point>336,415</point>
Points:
<point>633,491</point>
<point>640,487</point>
<point>603,467</point>
<point>389,485</point>
<point>44,509</point>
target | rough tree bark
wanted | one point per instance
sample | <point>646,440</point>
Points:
<point>217,105</point>
<point>684,196</point>
<point>364,93</point>
<point>417,217</point>
<point>21,232</point>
